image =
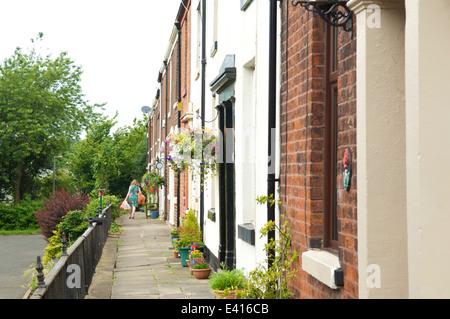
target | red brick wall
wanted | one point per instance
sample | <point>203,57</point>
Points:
<point>169,96</point>
<point>302,183</point>
<point>185,95</point>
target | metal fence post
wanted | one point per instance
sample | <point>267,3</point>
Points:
<point>40,273</point>
<point>64,244</point>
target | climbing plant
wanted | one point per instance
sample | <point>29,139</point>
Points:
<point>270,279</point>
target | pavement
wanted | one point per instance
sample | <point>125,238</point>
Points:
<point>17,255</point>
<point>138,263</point>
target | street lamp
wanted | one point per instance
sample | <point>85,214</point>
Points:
<point>54,168</point>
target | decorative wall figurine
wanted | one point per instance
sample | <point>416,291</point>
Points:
<point>347,173</point>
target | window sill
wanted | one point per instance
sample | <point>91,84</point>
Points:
<point>324,266</point>
<point>246,232</point>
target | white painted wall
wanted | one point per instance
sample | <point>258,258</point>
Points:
<point>252,61</point>
<point>244,34</point>
<point>403,112</point>
<point>428,147</point>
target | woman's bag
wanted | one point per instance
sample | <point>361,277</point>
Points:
<point>141,199</point>
<point>125,205</point>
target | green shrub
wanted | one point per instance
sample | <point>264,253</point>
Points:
<point>189,231</point>
<point>227,279</point>
<point>53,249</point>
<point>20,216</point>
<point>191,221</point>
<point>74,225</point>
<point>188,236</point>
<point>91,208</point>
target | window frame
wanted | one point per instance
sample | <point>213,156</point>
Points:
<point>330,240</point>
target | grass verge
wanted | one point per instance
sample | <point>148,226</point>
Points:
<point>20,232</point>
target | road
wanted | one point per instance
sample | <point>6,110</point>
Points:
<point>17,253</point>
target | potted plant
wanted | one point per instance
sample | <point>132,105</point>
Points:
<point>151,182</point>
<point>184,245</point>
<point>226,284</point>
<point>200,268</point>
<point>195,254</point>
<point>174,235</point>
<point>176,252</point>
<point>190,237</point>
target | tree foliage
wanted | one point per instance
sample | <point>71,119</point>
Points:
<point>109,160</point>
<point>85,154</point>
<point>42,110</point>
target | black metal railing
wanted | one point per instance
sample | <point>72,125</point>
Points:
<point>72,275</point>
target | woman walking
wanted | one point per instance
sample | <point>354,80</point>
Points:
<point>132,197</point>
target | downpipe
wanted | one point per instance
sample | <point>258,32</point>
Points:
<point>271,128</point>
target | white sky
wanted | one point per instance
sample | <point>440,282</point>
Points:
<point>119,44</point>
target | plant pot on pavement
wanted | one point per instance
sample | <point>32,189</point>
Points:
<point>184,255</point>
<point>225,294</point>
<point>154,214</point>
<point>201,273</point>
<point>174,239</point>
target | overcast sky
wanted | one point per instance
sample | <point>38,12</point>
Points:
<point>119,44</point>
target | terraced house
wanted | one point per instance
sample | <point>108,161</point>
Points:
<point>339,108</point>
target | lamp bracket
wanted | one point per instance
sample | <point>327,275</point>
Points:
<point>336,13</point>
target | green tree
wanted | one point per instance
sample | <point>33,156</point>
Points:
<point>131,144</point>
<point>109,160</point>
<point>42,110</point>
<point>86,155</point>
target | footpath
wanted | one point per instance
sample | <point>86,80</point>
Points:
<point>138,263</point>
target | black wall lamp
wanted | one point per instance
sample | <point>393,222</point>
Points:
<point>335,13</point>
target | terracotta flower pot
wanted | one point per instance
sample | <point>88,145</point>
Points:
<point>220,294</point>
<point>201,273</point>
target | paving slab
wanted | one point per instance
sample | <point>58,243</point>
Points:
<point>141,265</point>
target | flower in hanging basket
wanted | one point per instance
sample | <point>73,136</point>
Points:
<point>152,181</point>
<point>193,149</point>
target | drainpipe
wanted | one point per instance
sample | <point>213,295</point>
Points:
<point>202,190</point>
<point>178,26</point>
<point>272,119</point>
<point>166,65</point>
